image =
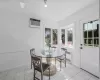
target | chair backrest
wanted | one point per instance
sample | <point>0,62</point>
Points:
<point>32,51</point>
<point>64,49</point>
<point>37,61</point>
<point>65,52</point>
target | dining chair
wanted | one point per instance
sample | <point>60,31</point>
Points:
<point>32,51</point>
<point>39,66</point>
<point>62,58</point>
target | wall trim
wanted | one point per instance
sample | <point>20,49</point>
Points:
<point>13,52</point>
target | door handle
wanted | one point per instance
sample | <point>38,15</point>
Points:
<point>81,48</point>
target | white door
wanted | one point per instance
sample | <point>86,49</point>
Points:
<point>90,46</point>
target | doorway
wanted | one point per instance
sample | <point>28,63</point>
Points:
<point>89,46</point>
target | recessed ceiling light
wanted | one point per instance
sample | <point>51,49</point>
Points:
<point>22,4</point>
<point>45,5</point>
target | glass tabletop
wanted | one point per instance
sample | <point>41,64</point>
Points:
<point>52,53</point>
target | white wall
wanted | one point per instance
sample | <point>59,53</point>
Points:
<point>89,12</point>
<point>16,38</point>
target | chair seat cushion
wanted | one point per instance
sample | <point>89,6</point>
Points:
<point>44,66</point>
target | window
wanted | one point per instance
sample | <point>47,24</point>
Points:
<point>51,36</point>
<point>67,36</point>
<point>47,36</point>
<point>55,36</point>
<point>91,33</point>
<point>70,37</point>
<point>63,36</point>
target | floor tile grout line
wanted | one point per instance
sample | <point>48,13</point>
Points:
<point>75,75</point>
<point>90,74</point>
<point>90,77</point>
<point>71,77</point>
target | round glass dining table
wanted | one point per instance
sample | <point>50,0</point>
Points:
<point>50,56</point>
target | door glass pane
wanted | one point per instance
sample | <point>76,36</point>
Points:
<point>63,36</point>
<point>90,28</point>
<point>55,32</point>
<point>90,42</point>
<point>47,36</point>
<point>96,42</point>
<point>85,34</point>
<point>85,42</point>
<point>85,28</point>
<point>96,28</point>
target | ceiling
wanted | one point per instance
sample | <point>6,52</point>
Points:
<point>57,9</point>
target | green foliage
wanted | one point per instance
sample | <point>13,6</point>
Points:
<point>47,40</point>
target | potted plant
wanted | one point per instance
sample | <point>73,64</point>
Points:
<point>48,44</point>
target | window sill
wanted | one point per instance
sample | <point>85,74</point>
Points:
<point>54,45</point>
<point>66,46</point>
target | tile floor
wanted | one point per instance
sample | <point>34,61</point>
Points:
<point>69,73</point>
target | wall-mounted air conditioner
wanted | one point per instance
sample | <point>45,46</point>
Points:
<point>34,23</point>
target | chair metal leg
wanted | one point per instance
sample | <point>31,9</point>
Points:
<point>34,75</point>
<point>31,65</point>
<point>60,65</point>
<point>49,73</point>
<point>55,61</point>
<point>41,76</point>
<point>65,60</point>
<point>65,63</point>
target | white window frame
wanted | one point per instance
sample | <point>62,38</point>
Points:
<point>51,37</point>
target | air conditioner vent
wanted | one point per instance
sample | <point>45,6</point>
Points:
<point>34,22</point>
